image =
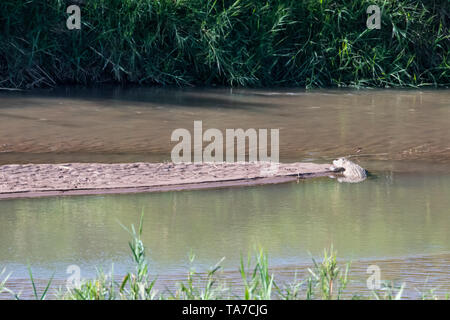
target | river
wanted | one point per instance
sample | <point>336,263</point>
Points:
<point>398,219</point>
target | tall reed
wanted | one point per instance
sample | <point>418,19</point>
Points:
<point>308,43</point>
<point>327,280</point>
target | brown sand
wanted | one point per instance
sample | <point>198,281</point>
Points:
<point>33,180</point>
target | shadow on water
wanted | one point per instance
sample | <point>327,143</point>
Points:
<point>109,125</point>
<point>165,97</point>
<point>398,218</point>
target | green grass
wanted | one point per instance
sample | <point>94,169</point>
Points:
<point>311,43</point>
<point>327,280</point>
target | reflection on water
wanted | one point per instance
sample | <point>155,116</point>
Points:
<point>136,124</point>
<point>387,218</point>
<point>398,220</point>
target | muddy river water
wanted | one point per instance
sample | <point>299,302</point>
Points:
<point>399,219</point>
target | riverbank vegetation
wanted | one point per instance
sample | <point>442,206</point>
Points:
<point>307,43</point>
<point>327,280</point>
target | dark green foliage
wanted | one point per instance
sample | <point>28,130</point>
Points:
<point>312,43</point>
